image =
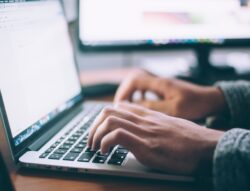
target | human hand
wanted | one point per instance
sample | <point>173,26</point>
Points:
<point>158,141</point>
<point>177,98</point>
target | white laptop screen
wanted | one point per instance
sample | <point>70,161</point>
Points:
<point>38,77</point>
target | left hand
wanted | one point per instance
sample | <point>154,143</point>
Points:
<point>158,141</point>
<point>177,98</point>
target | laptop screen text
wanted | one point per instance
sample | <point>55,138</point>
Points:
<point>38,77</point>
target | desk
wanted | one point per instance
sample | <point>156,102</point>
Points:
<point>33,180</point>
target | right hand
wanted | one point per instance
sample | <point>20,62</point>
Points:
<point>177,98</point>
<point>157,140</point>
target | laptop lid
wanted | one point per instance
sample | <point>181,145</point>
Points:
<point>5,181</point>
<point>38,76</point>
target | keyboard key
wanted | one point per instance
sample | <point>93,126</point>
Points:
<point>111,149</point>
<point>86,137</point>
<point>73,139</point>
<point>84,127</point>
<point>86,157</point>
<point>67,133</point>
<point>60,151</point>
<point>119,156</point>
<point>80,145</point>
<point>44,155</point>
<point>80,132</point>
<point>76,150</point>
<point>68,142</point>
<point>115,161</point>
<point>121,151</point>
<point>49,150</point>
<point>77,134</point>
<point>104,155</point>
<point>120,147</point>
<point>100,159</point>
<point>55,156</point>
<point>71,156</point>
<point>65,147</point>
<point>55,144</point>
<point>88,150</point>
<point>84,141</point>
<point>61,139</point>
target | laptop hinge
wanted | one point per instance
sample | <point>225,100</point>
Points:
<point>54,130</point>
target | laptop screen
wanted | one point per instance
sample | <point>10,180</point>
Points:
<point>38,76</point>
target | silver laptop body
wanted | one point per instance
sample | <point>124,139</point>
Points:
<point>42,108</point>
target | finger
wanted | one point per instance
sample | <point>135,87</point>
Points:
<point>125,90</point>
<point>112,123</point>
<point>131,107</point>
<point>122,137</point>
<point>142,82</point>
<point>109,111</point>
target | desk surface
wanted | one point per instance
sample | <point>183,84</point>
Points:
<point>32,180</point>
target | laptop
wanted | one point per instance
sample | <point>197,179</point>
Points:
<point>5,181</point>
<point>42,104</point>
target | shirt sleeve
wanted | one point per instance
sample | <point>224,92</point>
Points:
<point>237,95</point>
<point>231,163</point>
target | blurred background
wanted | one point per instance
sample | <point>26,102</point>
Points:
<point>218,48</point>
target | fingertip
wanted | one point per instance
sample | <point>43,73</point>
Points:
<point>103,149</point>
<point>89,143</point>
<point>90,139</point>
<point>119,98</point>
<point>94,145</point>
<point>93,148</point>
<point>116,100</point>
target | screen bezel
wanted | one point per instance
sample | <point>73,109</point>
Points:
<point>17,151</point>
<point>231,43</point>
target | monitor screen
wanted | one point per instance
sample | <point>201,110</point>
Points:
<point>162,22</point>
<point>38,76</point>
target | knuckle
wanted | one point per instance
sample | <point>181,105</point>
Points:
<point>135,74</point>
<point>107,111</point>
<point>154,145</point>
<point>103,142</point>
<point>119,105</point>
<point>167,82</point>
<point>178,107</point>
<point>148,105</point>
<point>118,134</point>
<point>110,120</point>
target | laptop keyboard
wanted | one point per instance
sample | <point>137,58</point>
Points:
<point>73,146</point>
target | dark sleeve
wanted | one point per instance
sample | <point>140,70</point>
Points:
<point>237,95</point>
<point>231,164</point>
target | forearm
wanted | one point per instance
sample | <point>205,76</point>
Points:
<point>231,163</point>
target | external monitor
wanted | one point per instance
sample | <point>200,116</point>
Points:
<point>140,24</point>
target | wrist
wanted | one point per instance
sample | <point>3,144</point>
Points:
<point>208,145</point>
<point>214,97</point>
